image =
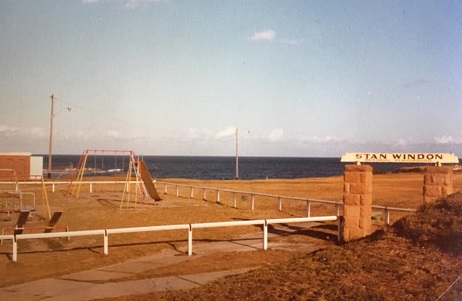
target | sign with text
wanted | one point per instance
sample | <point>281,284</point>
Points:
<point>436,158</point>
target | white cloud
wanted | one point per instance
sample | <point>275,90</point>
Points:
<point>276,135</point>
<point>327,139</point>
<point>198,134</point>
<point>137,3</point>
<point>266,35</point>
<point>6,129</point>
<point>400,142</point>
<point>447,139</point>
<point>114,134</point>
<point>127,3</point>
<point>290,42</point>
<point>37,132</point>
<point>228,132</point>
<point>23,133</point>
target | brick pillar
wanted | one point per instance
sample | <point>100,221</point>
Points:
<point>357,201</point>
<point>437,183</point>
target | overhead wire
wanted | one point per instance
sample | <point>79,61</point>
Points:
<point>104,115</point>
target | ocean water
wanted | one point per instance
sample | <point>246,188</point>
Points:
<point>219,168</point>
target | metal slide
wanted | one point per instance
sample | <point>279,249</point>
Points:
<point>147,181</point>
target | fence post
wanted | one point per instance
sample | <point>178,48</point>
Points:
<point>252,201</point>
<point>190,240</point>
<point>15,249</point>
<point>265,235</point>
<point>308,209</point>
<point>340,229</point>
<point>106,242</point>
<point>280,203</point>
<point>387,216</point>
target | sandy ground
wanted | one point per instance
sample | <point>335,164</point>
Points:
<point>38,259</point>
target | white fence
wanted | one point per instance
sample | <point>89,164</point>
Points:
<point>189,227</point>
<point>54,184</point>
<point>336,204</point>
<point>264,222</point>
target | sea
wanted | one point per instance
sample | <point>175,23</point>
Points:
<point>214,168</point>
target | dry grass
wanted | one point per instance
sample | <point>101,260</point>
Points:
<point>100,210</point>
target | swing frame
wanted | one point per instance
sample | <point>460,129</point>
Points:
<point>77,176</point>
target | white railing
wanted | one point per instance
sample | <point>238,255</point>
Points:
<point>53,184</point>
<point>20,194</point>
<point>105,232</point>
<point>387,211</point>
<point>337,204</point>
<point>252,195</point>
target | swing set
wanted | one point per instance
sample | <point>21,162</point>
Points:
<point>131,186</point>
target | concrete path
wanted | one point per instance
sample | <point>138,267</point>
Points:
<point>102,282</point>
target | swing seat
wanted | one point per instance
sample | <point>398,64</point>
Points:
<point>20,223</point>
<point>49,227</point>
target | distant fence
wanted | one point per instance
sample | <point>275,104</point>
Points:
<point>252,195</point>
<point>337,205</point>
<point>189,227</point>
<point>54,184</point>
<point>264,222</point>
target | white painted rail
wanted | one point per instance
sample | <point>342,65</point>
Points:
<point>90,184</point>
<point>147,229</point>
<point>105,232</point>
<point>337,204</point>
<point>49,235</point>
<point>218,191</point>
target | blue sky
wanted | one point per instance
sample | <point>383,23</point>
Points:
<point>298,78</point>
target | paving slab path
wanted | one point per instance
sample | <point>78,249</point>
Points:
<point>103,282</point>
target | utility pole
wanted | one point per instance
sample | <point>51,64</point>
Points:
<point>50,143</point>
<point>237,156</point>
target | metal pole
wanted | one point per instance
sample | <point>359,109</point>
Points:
<point>265,235</point>
<point>50,144</point>
<point>190,238</point>
<point>237,156</point>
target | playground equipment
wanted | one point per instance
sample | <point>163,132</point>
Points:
<point>20,226</point>
<point>136,174</point>
<point>12,197</point>
<point>147,181</point>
